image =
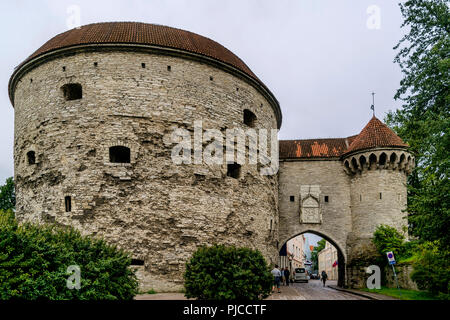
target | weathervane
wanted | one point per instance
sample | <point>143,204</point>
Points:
<point>373,103</point>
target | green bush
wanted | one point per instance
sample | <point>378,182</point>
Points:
<point>226,273</point>
<point>387,238</point>
<point>34,261</point>
<point>431,270</point>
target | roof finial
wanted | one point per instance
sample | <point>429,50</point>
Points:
<point>373,103</point>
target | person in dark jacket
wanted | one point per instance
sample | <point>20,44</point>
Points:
<point>286,275</point>
<point>324,277</point>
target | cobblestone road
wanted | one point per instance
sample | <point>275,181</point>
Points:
<point>313,290</point>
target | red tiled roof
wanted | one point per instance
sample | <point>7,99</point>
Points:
<point>143,33</point>
<point>314,148</point>
<point>375,134</point>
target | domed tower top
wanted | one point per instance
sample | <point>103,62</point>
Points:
<point>136,36</point>
<point>375,135</point>
<point>377,146</point>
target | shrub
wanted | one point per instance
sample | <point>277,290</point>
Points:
<point>431,270</point>
<point>387,238</point>
<point>225,272</point>
<point>34,261</point>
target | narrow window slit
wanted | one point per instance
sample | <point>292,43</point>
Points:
<point>68,203</point>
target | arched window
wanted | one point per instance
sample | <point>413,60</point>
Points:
<point>72,91</point>
<point>249,118</point>
<point>362,161</point>
<point>372,159</point>
<point>119,154</point>
<point>31,157</point>
<point>383,159</point>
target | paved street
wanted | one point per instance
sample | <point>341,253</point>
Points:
<point>313,290</point>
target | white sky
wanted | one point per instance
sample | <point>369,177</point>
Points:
<point>318,57</point>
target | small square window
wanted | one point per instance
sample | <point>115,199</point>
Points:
<point>292,198</point>
<point>72,91</point>
<point>234,170</point>
<point>31,157</point>
<point>143,65</point>
<point>169,68</point>
<point>326,199</point>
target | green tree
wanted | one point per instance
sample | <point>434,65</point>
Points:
<point>424,119</point>
<point>432,270</point>
<point>7,195</point>
<point>226,273</point>
<point>315,253</point>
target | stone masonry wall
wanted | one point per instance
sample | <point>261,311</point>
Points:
<point>330,177</point>
<point>159,211</point>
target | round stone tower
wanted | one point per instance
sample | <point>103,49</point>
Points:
<point>95,112</point>
<point>377,162</point>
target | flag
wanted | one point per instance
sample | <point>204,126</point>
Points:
<point>335,264</point>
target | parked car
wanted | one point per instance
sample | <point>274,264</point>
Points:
<point>300,275</point>
<point>315,276</point>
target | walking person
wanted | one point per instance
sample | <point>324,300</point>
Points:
<point>286,275</point>
<point>324,277</point>
<point>276,278</point>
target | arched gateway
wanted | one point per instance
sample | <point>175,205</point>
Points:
<point>342,189</point>
<point>340,253</point>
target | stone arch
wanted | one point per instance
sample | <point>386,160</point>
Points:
<point>382,159</point>
<point>339,247</point>
<point>354,164</point>
<point>362,161</point>
<point>392,160</point>
<point>347,168</point>
<point>372,160</point>
<point>401,162</point>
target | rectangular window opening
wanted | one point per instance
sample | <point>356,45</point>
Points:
<point>68,203</point>
<point>326,199</point>
<point>234,170</point>
<point>292,198</point>
<point>137,262</point>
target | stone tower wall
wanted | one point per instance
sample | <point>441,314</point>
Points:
<point>378,196</point>
<point>157,210</point>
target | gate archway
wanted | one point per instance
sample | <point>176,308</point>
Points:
<point>340,253</point>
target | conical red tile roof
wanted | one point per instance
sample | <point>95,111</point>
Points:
<point>375,134</point>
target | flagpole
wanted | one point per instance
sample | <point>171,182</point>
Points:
<point>373,103</point>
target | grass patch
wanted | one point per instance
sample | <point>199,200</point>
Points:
<point>151,291</point>
<point>403,294</point>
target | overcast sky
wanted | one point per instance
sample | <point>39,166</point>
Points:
<point>320,58</point>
